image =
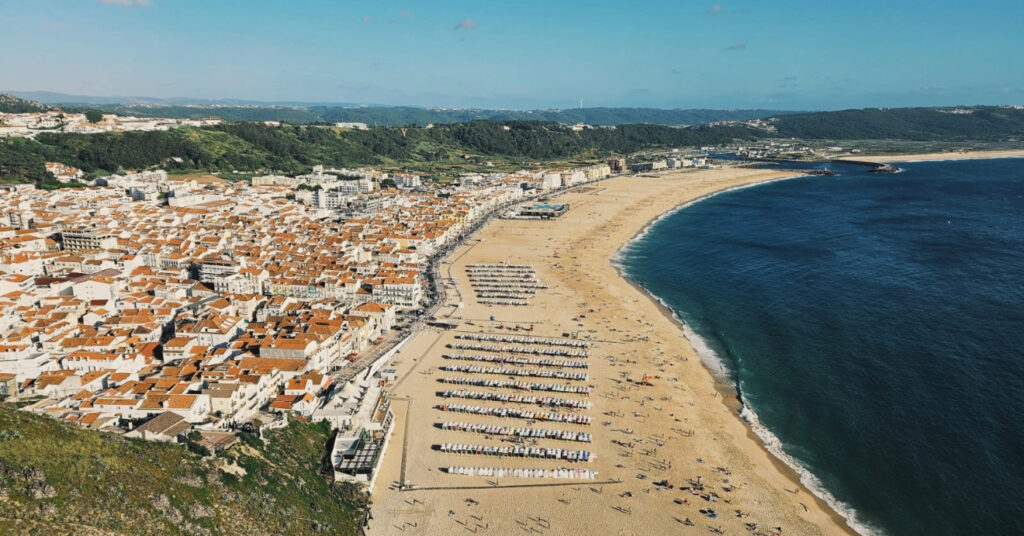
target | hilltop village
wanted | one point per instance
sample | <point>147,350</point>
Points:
<point>28,125</point>
<point>155,307</point>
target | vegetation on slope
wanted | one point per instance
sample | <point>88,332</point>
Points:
<point>254,146</point>
<point>292,149</point>
<point>973,123</point>
<point>59,479</point>
<point>14,105</point>
<point>21,161</point>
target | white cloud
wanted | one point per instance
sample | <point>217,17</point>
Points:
<point>466,24</point>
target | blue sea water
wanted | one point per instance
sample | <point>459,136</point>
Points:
<point>875,326</point>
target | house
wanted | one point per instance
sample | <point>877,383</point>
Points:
<point>310,382</point>
<point>214,330</point>
<point>302,404</point>
<point>8,385</point>
<point>299,347</point>
<point>165,427</point>
<point>97,287</point>
<point>24,361</point>
<point>56,384</point>
<point>382,313</point>
<point>178,348</point>
<point>84,361</point>
<point>194,408</point>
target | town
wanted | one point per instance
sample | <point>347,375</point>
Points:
<point>157,308</point>
<point>29,125</point>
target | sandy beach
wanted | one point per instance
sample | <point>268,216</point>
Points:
<point>683,427</point>
<point>927,157</point>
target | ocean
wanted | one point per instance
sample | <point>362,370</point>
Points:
<point>874,328</point>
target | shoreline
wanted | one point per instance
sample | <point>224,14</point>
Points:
<point>691,411</point>
<point>732,400</point>
<point>937,157</point>
<point>728,387</point>
<point>687,412</point>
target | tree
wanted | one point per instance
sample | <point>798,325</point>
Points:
<point>93,116</point>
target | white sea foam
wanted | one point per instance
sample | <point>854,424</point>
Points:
<point>774,445</point>
<point>714,363</point>
<point>708,357</point>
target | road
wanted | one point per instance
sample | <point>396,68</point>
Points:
<point>437,292</point>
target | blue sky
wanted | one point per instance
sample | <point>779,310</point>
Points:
<point>783,54</point>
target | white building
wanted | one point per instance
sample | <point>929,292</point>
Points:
<point>24,361</point>
<point>75,240</point>
<point>552,181</point>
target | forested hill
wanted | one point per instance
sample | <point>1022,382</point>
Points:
<point>410,115</point>
<point>967,123</point>
<point>255,146</point>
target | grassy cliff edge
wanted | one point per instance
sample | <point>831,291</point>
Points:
<point>57,478</point>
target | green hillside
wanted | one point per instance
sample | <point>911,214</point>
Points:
<point>256,147</point>
<point>252,146</point>
<point>59,479</point>
<point>966,123</point>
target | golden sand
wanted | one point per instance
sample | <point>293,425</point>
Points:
<point>925,157</point>
<point>680,428</point>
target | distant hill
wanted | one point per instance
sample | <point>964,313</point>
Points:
<point>55,98</point>
<point>252,146</point>
<point>15,105</point>
<point>286,114</point>
<point>410,115</point>
<point>922,123</point>
<point>396,115</point>
<point>962,123</point>
<point>380,115</point>
<point>58,479</point>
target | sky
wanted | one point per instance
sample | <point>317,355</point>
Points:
<point>780,54</point>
